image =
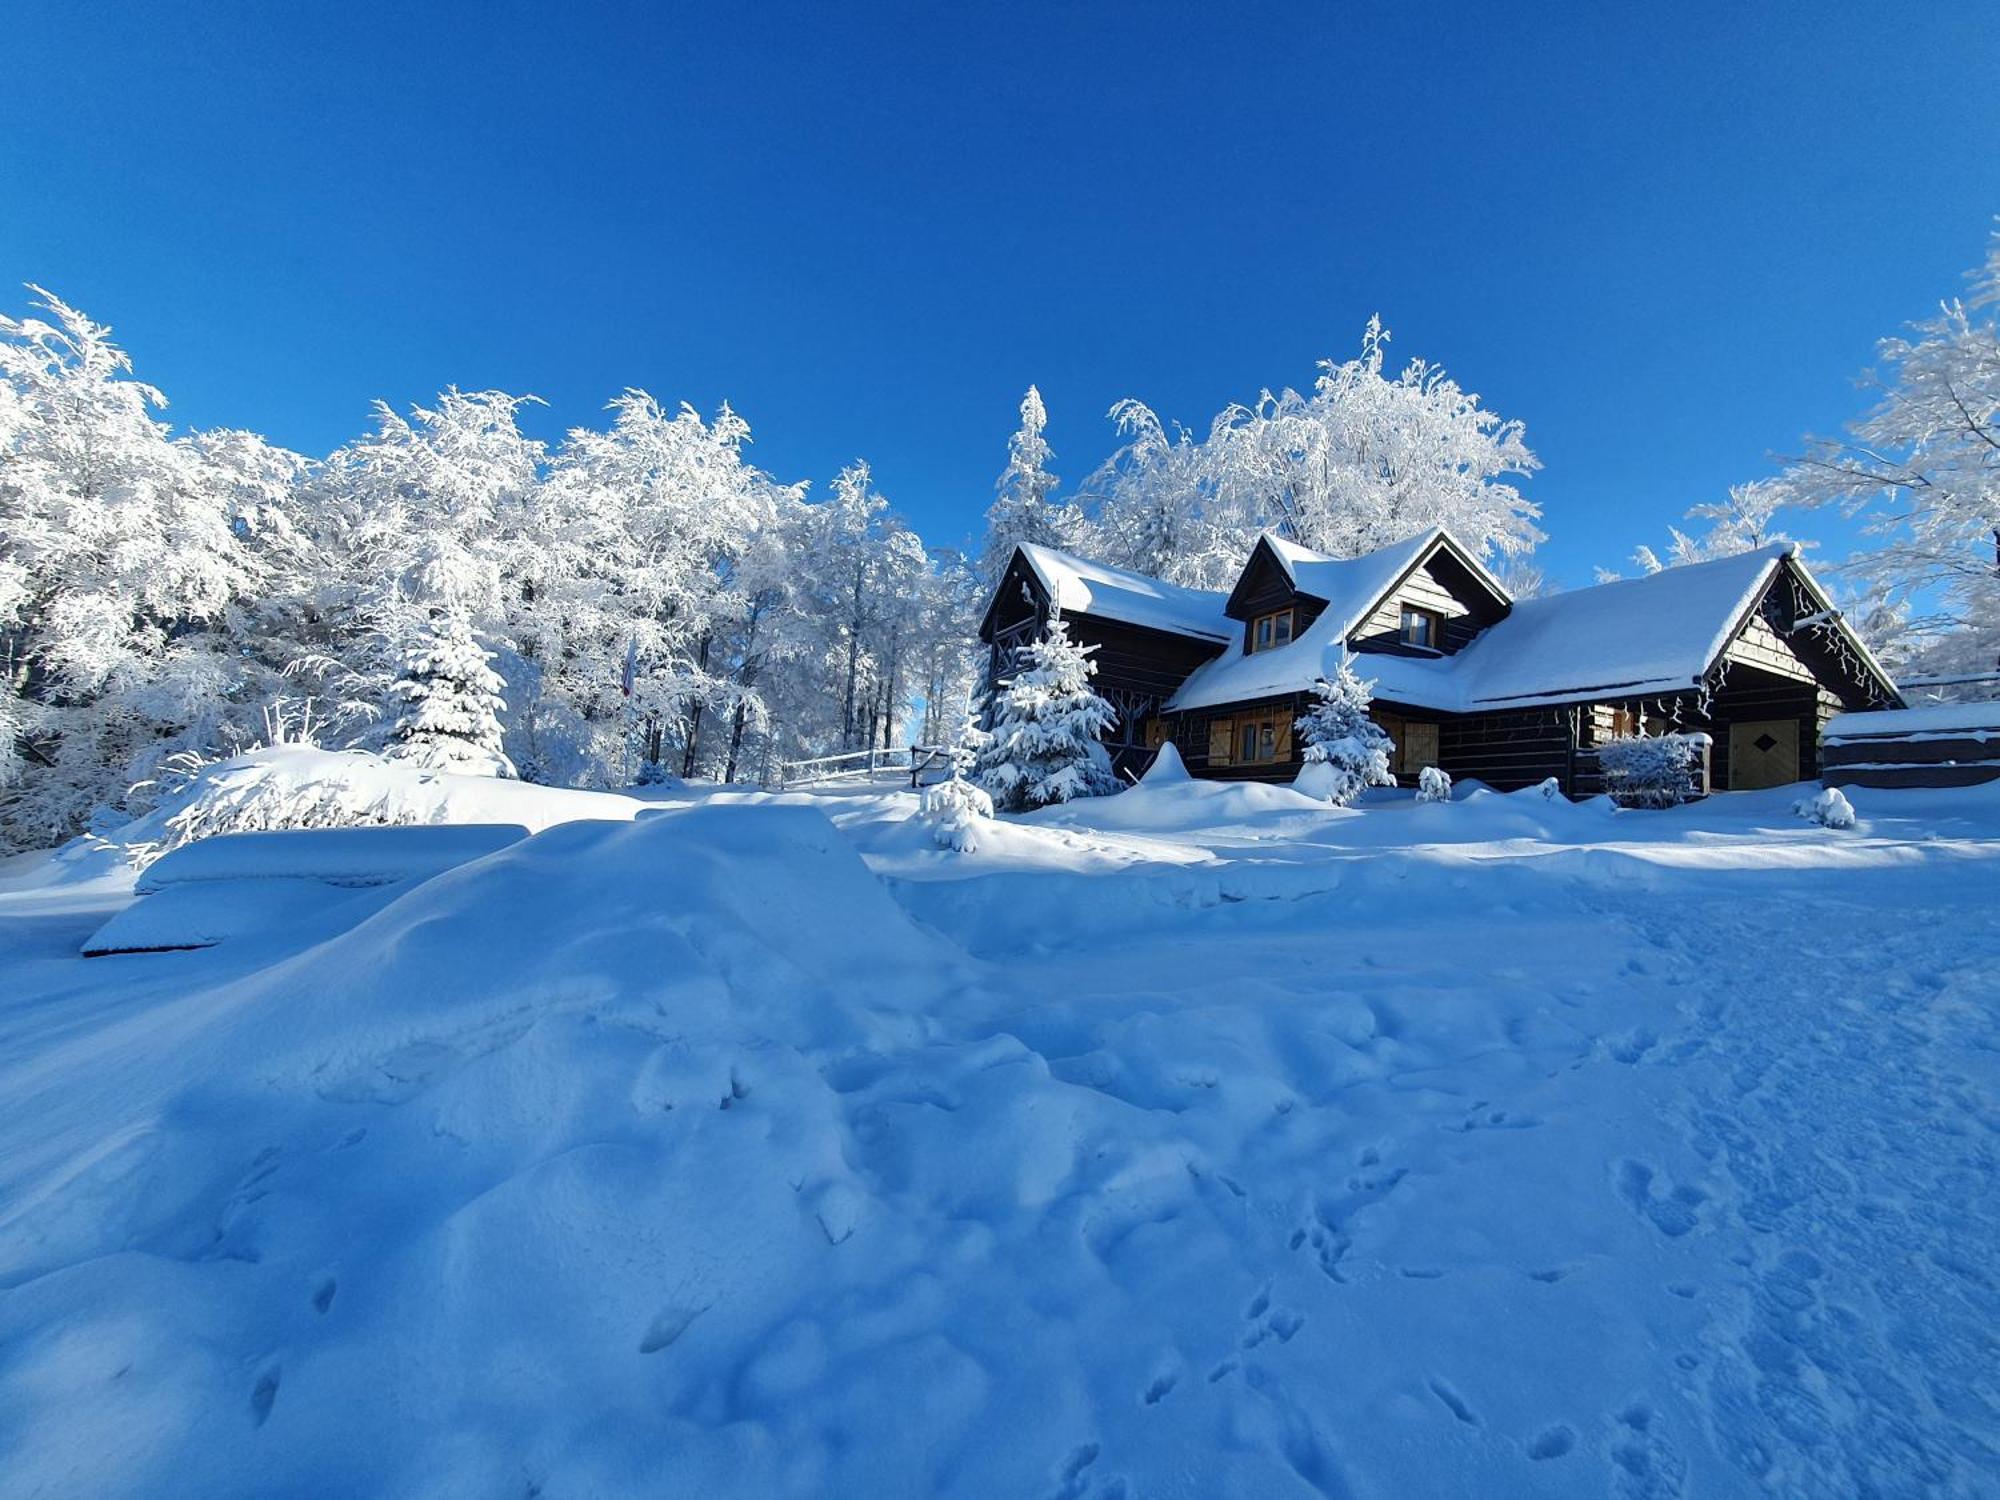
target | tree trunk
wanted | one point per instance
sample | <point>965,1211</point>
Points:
<point>688,761</point>
<point>853,665</point>
<point>735,742</point>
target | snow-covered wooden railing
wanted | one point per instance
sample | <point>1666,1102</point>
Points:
<point>914,761</point>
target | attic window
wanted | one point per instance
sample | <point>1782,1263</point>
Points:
<point>1268,632</point>
<point>1423,628</point>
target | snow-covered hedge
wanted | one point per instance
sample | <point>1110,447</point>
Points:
<point>276,789</point>
<point>1651,770</point>
<point>1433,785</point>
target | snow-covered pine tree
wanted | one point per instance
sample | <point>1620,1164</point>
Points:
<point>1043,745</point>
<point>1346,751</point>
<point>452,703</point>
<point>1023,511</point>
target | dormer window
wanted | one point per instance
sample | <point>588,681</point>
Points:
<point>1422,628</point>
<point>1268,632</point>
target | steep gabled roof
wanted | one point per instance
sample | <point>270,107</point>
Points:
<point>1624,639</point>
<point>1352,587</point>
<point>1078,586</point>
<point>1323,577</point>
<point>1632,638</point>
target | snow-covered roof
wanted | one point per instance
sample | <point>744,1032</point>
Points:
<point>1630,638</point>
<point>1078,586</point>
<point>1351,587</point>
<point>1935,718</point>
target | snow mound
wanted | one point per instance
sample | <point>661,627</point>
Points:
<point>241,884</point>
<point>293,787</point>
<point>1175,806</point>
<point>1167,767</point>
<point>555,1112</point>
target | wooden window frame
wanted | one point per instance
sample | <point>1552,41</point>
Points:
<point>1433,627</point>
<point>1252,641</point>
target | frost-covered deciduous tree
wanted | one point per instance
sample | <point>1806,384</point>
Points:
<point>1346,752</point>
<point>119,567</point>
<point>1045,740</point>
<point>1023,509</point>
<point>159,594</point>
<point>451,700</point>
<point>1366,459</point>
<point>1922,472</point>
<point>1743,522</point>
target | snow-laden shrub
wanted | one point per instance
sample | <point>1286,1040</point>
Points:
<point>1044,746</point>
<point>1650,770</point>
<point>1340,736</point>
<point>1433,785</point>
<point>955,809</point>
<point>652,773</point>
<point>277,788</point>
<point>1830,809</point>
<point>452,702</point>
<point>1548,789</point>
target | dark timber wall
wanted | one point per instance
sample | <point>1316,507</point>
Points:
<point>1507,750</point>
<point>1963,757</point>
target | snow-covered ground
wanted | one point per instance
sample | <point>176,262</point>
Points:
<point>1198,1141</point>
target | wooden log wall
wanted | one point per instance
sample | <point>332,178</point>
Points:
<point>1508,750</point>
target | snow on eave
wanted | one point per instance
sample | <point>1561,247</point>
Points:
<point>1121,595</point>
<point>1932,721</point>
<point>1839,618</point>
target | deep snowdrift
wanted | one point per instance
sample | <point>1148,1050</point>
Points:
<point>1499,1147</point>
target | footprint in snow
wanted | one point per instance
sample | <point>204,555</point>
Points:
<point>1552,1442</point>
<point>1071,1473</point>
<point>1453,1402</point>
<point>1672,1213</point>
<point>264,1394</point>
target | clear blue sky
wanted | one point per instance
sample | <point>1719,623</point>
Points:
<point>1665,237</point>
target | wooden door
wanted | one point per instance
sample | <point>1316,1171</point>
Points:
<point>1419,746</point>
<point>1763,752</point>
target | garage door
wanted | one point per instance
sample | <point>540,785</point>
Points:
<point>1763,752</point>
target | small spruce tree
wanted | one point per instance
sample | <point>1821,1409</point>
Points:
<point>451,701</point>
<point>1044,746</point>
<point>1346,751</point>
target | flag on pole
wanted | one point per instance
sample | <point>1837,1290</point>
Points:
<point>631,666</point>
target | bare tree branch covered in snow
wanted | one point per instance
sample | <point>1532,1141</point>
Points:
<point>1367,458</point>
<point>1921,469</point>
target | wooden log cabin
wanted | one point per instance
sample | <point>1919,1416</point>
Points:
<point>1748,650</point>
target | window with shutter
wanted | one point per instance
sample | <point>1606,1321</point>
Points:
<point>1219,732</point>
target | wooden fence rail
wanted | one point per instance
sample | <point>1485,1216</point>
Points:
<point>915,761</point>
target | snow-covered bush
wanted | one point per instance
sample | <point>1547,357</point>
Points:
<point>1339,736</point>
<point>1044,745</point>
<point>1650,770</point>
<point>955,809</point>
<point>275,788</point>
<point>1433,785</point>
<point>1830,808</point>
<point>451,718</point>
